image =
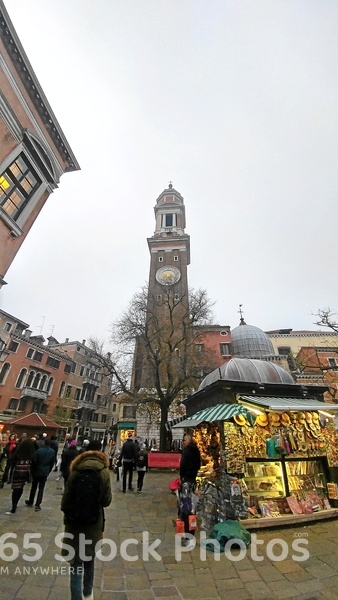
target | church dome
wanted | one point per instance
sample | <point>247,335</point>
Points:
<point>248,370</point>
<point>248,341</point>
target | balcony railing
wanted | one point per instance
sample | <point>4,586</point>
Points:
<point>91,381</point>
<point>33,393</point>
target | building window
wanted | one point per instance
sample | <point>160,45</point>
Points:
<point>4,372</point>
<point>176,258</point>
<point>225,349</point>
<point>81,371</point>
<point>13,346</point>
<point>43,382</point>
<point>22,404</point>
<point>34,354</point>
<point>21,378</point>
<point>52,362</point>
<point>332,363</point>
<point>77,394</point>
<point>95,418</point>
<point>114,407</point>
<point>160,259</point>
<point>68,391</point>
<point>62,389</point>
<point>18,184</point>
<point>103,418</point>
<point>50,385</point>
<point>67,369</point>
<point>284,350</point>
<point>13,404</point>
<point>169,220</point>
<point>36,381</point>
<point>8,327</point>
<point>30,378</point>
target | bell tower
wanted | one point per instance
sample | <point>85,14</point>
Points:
<point>169,247</point>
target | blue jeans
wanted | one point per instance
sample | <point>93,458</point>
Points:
<point>79,569</point>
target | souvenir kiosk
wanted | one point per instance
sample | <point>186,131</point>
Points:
<point>269,447</point>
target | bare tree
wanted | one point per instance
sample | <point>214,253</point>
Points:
<point>153,356</point>
<point>326,317</point>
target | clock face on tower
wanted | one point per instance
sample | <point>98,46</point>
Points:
<point>168,275</point>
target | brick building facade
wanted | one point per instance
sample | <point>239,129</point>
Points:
<point>34,152</point>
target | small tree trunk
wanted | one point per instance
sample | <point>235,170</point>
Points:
<point>163,429</point>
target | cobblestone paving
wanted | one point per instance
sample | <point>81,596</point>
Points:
<point>262,573</point>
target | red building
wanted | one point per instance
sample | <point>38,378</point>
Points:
<point>34,152</point>
<point>30,372</point>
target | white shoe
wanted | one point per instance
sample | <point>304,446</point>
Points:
<point>90,597</point>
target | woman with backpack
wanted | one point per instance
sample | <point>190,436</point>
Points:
<point>141,466</point>
<point>87,492</point>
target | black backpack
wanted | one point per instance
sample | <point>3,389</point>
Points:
<point>141,460</point>
<point>84,505</point>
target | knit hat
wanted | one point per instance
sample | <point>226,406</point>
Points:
<point>85,442</point>
<point>94,445</point>
<point>72,443</point>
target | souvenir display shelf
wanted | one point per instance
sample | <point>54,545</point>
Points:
<point>305,475</point>
<point>264,479</point>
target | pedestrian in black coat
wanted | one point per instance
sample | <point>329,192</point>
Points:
<point>67,457</point>
<point>191,460</point>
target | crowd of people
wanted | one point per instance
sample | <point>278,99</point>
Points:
<point>84,498</point>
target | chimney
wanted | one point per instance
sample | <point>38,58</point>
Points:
<point>28,334</point>
<point>84,342</point>
<point>66,340</point>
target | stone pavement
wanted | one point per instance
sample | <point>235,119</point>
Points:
<point>195,576</point>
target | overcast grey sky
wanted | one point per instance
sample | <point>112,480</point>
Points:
<point>236,102</point>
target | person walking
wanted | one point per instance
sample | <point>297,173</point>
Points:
<point>128,455</point>
<point>141,466</point>
<point>67,457</point>
<point>83,503</point>
<point>55,446</point>
<point>84,446</point>
<point>42,464</point>
<point>189,467</point>
<point>21,470</point>
<point>9,451</point>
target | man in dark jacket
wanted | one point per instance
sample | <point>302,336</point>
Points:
<point>42,465</point>
<point>189,467</point>
<point>67,457</point>
<point>128,455</point>
<point>190,461</point>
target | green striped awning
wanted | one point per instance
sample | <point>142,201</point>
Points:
<point>170,424</point>
<point>220,412</point>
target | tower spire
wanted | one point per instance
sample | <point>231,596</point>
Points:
<point>241,322</point>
